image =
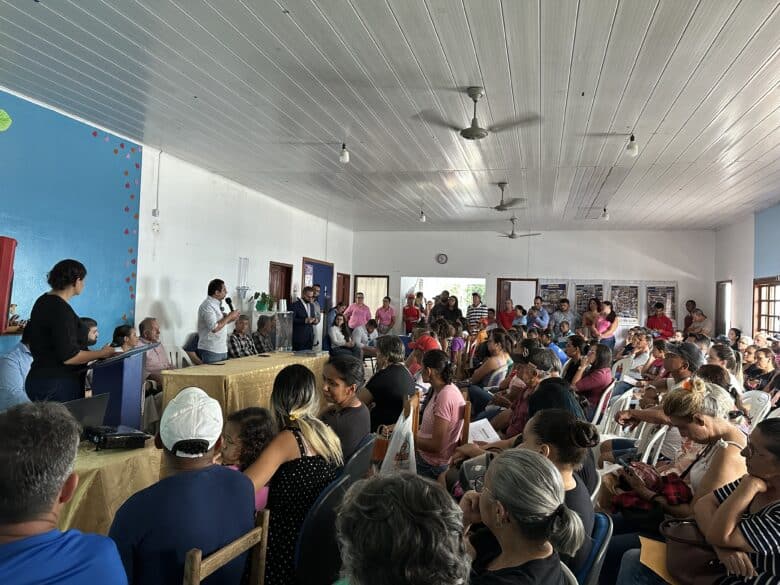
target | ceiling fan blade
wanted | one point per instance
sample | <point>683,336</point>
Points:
<point>529,120</point>
<point>434,119</point>
<point>514,201</point>
<point>480,206</point>
<point>528,235</point>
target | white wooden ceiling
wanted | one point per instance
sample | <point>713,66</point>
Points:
<point>264,92</point>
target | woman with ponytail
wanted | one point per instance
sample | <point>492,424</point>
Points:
<point>724,356</point>
<point>441,417</point>
<point>297,465</point>
<point>565,440</point>
<point>522,503</point>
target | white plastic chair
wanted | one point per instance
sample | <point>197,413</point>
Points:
<point>605,396</point>
<point>774,414</point>
<point>595,494</point>
<point>653,449</point>
<point>568,576</point>
<point>759,403</point>
<point>608,426</point>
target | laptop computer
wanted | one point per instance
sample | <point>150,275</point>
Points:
<point>89,412</point>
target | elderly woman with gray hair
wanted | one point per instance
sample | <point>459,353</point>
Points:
<point>401,530</point>
<point>522,506</point>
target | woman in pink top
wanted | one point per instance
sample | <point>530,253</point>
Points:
<point>357,314</point>
<point>442,416</point>
<point>385,317</point>
<point>246,434</point>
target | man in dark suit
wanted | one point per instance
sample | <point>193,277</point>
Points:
<point>303,320</point>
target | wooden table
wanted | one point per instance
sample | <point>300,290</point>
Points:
<point>239,383</point>
<point>106,480</point>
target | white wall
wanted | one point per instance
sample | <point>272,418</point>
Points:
<point>206,223</point>
<point>685,256</point>
<point>734,253</point>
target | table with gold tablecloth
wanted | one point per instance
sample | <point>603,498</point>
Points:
<point>106,480</point>
<point>239,383</point>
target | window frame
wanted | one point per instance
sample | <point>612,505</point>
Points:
<point>766,305</point>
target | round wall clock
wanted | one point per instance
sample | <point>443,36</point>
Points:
<point>441,258</point>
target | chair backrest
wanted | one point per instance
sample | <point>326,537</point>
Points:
<point>602,533</point>
<point>594,495</point>
<point>601,406</point>
<point>774,414</point>
<point>317,558</point>
<point>608,425</point>
<point>759,403</point>
<point>623,364</point>
<point>412,407</point>
<point>359,464</point>
<point>196,568</point>
<point>653,449</point>
<point>568,576</point>
<point>464,431</point>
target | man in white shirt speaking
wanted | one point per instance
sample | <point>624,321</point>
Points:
<point>212,323</point>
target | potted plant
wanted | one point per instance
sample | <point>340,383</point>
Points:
<point>262,304</point>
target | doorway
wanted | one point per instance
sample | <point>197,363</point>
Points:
<point>280,280</point>
<point>521,290</point>
<point>374,289</point>
<point>342,288</point>
<point>722,307</point>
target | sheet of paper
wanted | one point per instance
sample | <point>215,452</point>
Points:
<point>481,430</point>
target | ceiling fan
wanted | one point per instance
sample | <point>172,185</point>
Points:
<point>502,205</point>
<point>513,235</point>
<point>475,131</point>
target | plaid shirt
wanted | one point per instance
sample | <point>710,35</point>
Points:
<point>240,346</point>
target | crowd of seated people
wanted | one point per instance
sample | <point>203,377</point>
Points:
<point>514,510</point>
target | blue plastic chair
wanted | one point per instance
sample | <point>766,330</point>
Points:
<point>602,534</point>
<point>359,464</point>
<point>317,558</point>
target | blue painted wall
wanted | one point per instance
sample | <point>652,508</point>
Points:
<point>767,252</point>
<point>70,191</point>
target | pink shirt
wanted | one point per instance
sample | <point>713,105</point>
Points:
<point>156,359</point>
<point>357,315</point>
<point>261,495</point>
<point>449,405</point>
<point>384,316</point>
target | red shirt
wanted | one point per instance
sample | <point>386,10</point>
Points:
<point>425,343</point>
<point>411,316</point>
<point>505,319</point>
<point>663,324</point>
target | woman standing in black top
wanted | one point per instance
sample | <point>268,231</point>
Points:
<point>386,391</point>
<point>54,338</point>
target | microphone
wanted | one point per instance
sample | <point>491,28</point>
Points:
<point>229,303</point>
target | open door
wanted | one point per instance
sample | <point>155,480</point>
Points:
<point>521,290</point>
<point>722,307</point>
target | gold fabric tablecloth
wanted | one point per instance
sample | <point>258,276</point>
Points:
<point>239,383</point>
<point>106,480</point>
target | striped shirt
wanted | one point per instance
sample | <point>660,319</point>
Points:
<point>762,532</point>
<point>476,314</point>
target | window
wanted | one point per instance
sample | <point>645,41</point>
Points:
<point>374,289</point>
<point>766,305</point>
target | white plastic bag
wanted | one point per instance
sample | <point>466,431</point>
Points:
<point>400,451</point>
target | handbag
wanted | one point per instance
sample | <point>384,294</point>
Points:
<point>689,557</point>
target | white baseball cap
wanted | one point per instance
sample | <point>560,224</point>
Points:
<point>191,415</point>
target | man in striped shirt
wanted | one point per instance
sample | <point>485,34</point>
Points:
<point>476,311</point>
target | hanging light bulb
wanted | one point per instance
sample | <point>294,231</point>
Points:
<point>422,219</point>
<point>632,149</point>
<point>344,155</point>
<point>604,215</point>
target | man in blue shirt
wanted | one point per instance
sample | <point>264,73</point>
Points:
<point>540,318</point>
<point>199,505</point>
<point>38,442</point>
<point>14,367</point>
<point>546,338</point>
